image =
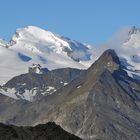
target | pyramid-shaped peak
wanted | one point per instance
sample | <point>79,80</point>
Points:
<point>108,60</point>
<point>109,55</point>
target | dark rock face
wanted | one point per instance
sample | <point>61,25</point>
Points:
<point>49,131</point>
<point>52,78</point>
<point>102,103</point>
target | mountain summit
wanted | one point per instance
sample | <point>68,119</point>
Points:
<point>134,30</point>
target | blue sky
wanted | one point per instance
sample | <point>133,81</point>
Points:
<point>88,21</point>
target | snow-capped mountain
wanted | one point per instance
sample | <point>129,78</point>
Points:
<point>33,45</point>
<point>39,41</point>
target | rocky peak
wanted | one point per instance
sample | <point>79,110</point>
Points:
<point>108,60</point>
<point>109,56</point>
<point>134,30</point>
<point>37,68</point>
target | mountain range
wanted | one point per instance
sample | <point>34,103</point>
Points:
<point>91,92</point>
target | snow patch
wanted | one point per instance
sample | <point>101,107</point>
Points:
<point>79,87</point>
<point>9,92</point>
<point>50,90</point>
<point>65,83</point>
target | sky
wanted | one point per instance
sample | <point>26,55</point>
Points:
<point>87,21</point>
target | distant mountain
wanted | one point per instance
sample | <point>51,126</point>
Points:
<point>31,45</point>
<point>49,131</point>
<point>132,51</point>
<point>103,103</point>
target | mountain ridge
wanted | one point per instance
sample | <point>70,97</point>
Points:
<point>98,104</point>
<point>31,86</point>
<point>41,132</point>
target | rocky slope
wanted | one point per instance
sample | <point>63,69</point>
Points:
<point>38,82</point>
<point>49,131</point>
<point>102,103</point>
